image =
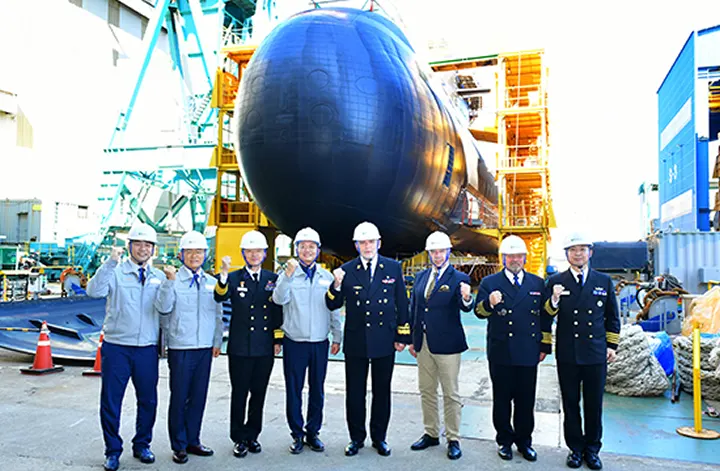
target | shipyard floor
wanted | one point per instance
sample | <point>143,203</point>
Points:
<point>51,422</point>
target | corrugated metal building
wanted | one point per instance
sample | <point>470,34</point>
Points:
<point>688,135</point>
<point>34,220</point>
<point>691,257</point>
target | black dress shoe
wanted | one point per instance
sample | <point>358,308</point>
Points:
<point>112,463</point>
<point>180,457</point>
<point>574,460</point>
<point>425,442</point>
<point>528,453</point>
<point>505,452</point>
<point>353,447</point>
<point>454,450</point>
<point>253,446</point>
<point>382,448</point>
<point>145,455</point>
<point>314,443</point>
<point>593,460</point>
<point>200,450</point>
<point>297,446</point>
<point>240,449</point>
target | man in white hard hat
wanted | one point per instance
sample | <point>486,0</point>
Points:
<point>307,322</point>
<point>255,337</point>
<point>439,294</point>
<point>130,347</point>
<point>194,337</point>
<point>518,338</point>
<point>588,333</point>
<point>372,289</point>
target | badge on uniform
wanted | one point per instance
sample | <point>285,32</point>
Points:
<point>388,281</point>
<point>598,291</point>
<point>599,303</point>
<point>502,312</point>
<point>535,293</point>
<point>357,287</point>
<point>444,288</point>
<point>270,286</point>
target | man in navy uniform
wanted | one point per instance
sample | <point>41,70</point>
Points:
<point>132,331</point>
<point>254,338</point>
<point>376,325</point>
<point>518,338</point>
<point>588,332</point>
<point>439,294</point>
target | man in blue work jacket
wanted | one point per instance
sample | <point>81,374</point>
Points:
<point>307,321</point>
<point>254,338</point>
<point>588,333</point>
<point>194,335</point>
<point>518,338</point>
<point>439,294</point>
<point>376,325</point>
<point>129,351</point>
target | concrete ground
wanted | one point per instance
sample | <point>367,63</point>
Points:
<point>51,422</point>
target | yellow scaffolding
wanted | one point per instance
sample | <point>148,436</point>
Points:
<point>523,175</point>
<point>233,213</point>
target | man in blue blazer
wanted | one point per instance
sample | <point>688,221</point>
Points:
<point>439,294</point>
<point>518,338</point>
<point>376,325</point>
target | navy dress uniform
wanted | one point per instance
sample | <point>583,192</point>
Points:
<point>519,330</point>
<point>438,340</point>
<point>194,336</point>
<point>588,324</point>
<point>376,316</point>
<point>130,349</point>
<point>254,329</point>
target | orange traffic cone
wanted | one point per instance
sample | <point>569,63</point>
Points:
<point>97,367</point>
<point>43,357</point>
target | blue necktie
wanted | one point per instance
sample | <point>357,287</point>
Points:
<point>141,275</point>
<point>195,280</point>
<point>580,279</point>
<point>517,280</point>
<point>309,271</point>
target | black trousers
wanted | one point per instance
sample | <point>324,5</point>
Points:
<point>513,386</point>
<point>592,380</point>
<point>248,375</point>
<point>356,373</point>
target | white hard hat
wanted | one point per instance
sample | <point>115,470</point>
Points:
<point>366,231</point>
<point>253,240</point>
<point>438,240</point>
<point>193,240</point>
<point>142,232</point>
<point>512,245</point>
<point>307,235</point>
<point>576,238</point>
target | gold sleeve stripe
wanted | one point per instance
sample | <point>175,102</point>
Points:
<point>549,309</point>
<point>480,309</point>
<point>404,329</point>
<point>278,334</point>
<point>330,294</point>
<point>220,290</point>
<point>612,337</point>
<point>547,338</point>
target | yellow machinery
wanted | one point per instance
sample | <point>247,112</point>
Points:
<point>523,175</point>
<point>233,213</point>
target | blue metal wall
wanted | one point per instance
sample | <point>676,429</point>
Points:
<point>677,157</point>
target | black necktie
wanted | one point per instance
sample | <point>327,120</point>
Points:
<point>368,274</point>
<point>580,279</point>
<point>255,278</point>
<point>141,275</point>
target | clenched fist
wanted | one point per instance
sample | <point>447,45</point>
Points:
<point>226,261</point>
<point>557,291</point>
<point>339,275</point>
<point>495,298</point>
<point>170,272</point>
<point>116,253</point>
<point>465,291</point>
<point>292,264</point>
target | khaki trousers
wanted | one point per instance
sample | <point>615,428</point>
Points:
<point>444,369</point>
